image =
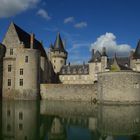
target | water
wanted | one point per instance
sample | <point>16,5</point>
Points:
<point>46,120</point>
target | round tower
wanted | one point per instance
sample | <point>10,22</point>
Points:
<point>58,54</point>
<point>2,53</point>
<point>27,74</point>
<point>135,58</point>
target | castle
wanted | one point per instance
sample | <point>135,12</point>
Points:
<point>24,65</point>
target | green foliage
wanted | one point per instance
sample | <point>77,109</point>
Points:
<point>114,68</point>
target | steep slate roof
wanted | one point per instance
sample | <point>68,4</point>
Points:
<point>123,62</point>
<point>120,60</point>
<point>96,57</point>
<point>58,45</point>
<point>75,69</point>
<point>104,52</point>
<point>136,54</point>
<point>25,38</point>
<point>2,50</point>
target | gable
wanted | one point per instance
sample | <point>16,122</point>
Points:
<point>11,39</point>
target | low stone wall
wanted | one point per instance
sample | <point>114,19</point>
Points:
<point>119,87</point>
<point>69,92</point>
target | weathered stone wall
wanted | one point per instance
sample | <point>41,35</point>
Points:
<point>135,64</point>
<point>121,87</point>
<point>76,79</point>
<point>8,90</point>
<point>31,74</point>
<point>69,92</point>
<point>11,41</point>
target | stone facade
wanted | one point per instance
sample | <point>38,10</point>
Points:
<point>69,92</point>
<point>26,69</point>
<point>25,65</point>
<point>121,87</point>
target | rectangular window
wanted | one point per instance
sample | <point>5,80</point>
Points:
<point>21,82</point>
<point>26,59</point>
<point>9,68</point>
<point>21,71</point>
<point>9,82</point>
<point>11,51</point>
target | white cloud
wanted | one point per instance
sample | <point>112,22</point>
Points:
<point>108,40</point>
<point>44,14</point>
<point>80,25</point>
<point>10,8</point>
<point>69,20</point>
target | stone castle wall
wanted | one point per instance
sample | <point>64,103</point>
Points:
<point>121,86</point>
<point>69,92</point>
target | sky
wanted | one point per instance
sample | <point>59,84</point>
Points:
<point>83,24</point>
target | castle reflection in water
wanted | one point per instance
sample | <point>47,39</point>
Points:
<point>45,120</point>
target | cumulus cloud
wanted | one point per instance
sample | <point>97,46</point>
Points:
<point>10,8</point>
<point>69,20</point>
<point>44,14</point>
<point>80,25</point>
<point>108,40</point>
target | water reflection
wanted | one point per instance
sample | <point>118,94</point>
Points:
<point>30,120</point>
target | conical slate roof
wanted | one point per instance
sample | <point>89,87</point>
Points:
<point>96,57</point>
<point>115,66</point>
<point>58,45</point>
<point>136,54</point>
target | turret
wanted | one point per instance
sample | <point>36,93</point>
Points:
<point>136,54</point>
<point>104,59</point>
<point>58,54</point>
<point>135,58</point>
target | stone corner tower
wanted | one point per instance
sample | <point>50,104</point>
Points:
<point>58,54</point>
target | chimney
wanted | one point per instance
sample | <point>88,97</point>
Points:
<point>131,53</point>
<point>92,53</point>
<point>32,36</point>
<point>104,51</point>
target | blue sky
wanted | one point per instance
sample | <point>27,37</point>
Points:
<point>83,24</point>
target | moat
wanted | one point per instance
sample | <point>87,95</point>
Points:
<point>63,120</point>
